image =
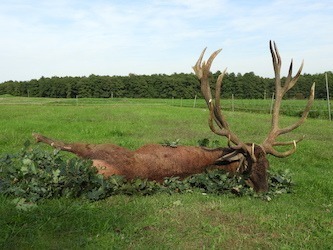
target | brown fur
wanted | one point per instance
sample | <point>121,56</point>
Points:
<point>257,171</point>
<point>155,162</point>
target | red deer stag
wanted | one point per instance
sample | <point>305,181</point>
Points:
<point>155,162</point>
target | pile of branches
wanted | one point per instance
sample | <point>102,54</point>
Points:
<point>34,174</point>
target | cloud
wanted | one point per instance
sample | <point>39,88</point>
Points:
<point>81,37</point>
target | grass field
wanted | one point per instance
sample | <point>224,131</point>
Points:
<point>289,107</point>
<point>301,220</point>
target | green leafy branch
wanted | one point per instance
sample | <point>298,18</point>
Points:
<point>34,174</point>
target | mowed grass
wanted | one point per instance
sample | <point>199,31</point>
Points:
<point>301,220</point>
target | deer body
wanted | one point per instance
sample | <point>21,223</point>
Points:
<point>151,161</point>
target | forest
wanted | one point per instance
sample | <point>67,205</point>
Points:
<point>177,85</point>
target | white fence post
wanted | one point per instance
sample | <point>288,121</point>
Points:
<point>195,100</point>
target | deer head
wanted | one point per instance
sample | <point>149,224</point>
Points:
<point>254,155</point>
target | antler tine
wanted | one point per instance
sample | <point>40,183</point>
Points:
<point>277,62</point>
<point>290,82</point>
<point>278,97</point>
<point>202,71</point>
<point>211,58</point>
<point>275,57</point>
<point>290,72</point>
<point>197,67</point>
<point>304,115</point>
<point>286,153</point>
<point>215,111</point>
<point>218,114</point>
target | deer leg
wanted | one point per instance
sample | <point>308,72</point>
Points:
<point>56,144</point>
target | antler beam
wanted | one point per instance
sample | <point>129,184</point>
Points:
<point>202,71</point>
<point>280,91</point>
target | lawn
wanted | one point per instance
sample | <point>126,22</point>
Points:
<point>299,220</point>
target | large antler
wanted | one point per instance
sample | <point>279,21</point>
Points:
<point>202,71</point>
<point>280,91</point>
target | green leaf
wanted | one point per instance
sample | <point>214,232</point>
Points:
<point>27,161</point>
<point>24,169</point>
<point>22,204</point>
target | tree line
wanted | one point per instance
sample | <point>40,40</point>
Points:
<point>177,85</point>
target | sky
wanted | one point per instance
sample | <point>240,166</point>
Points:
<point>119,37</point>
